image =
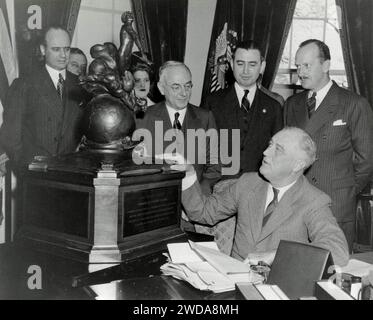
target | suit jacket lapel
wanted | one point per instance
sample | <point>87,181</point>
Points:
<point>283,210</point>
<point>162,115</point>
<point>47,89</point>
<point>256,203</point>
<point>191,120</point>
<point>325,112</point>
<point>300,111</point>
<point>232,105</point>
<point>68,112</point>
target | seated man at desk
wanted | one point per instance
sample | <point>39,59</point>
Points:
<point>277,204</point>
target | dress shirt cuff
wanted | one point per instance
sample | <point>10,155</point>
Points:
<point>188,181</point>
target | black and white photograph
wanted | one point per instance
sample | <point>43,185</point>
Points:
<point>186,156</point>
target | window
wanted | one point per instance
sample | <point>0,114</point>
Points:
<point>317,19</point>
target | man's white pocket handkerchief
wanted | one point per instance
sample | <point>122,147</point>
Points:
<point>339,122</point>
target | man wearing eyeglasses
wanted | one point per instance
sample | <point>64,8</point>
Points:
<point>176,113</point>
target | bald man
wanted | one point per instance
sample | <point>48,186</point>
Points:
<point>277,204</point>
<point>42,111</point>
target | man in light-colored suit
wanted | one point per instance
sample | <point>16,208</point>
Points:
<point>341,124</point>
<point>277,204</point>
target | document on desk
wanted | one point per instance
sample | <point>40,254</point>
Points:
<point>182,252</point>
<point>206,268</point>
<point>220,261</point>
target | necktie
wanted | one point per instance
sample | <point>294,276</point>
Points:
<point>245,103</point>
<point>177,124</point>
<point>271,206</point>
<point>60,85</point>
<point>311,104</point>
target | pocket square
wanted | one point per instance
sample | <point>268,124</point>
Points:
<point>339,122</point>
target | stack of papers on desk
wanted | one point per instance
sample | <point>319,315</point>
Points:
<point>206,268</point>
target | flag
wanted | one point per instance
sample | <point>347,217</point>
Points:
<point>8,72</point>
<point>221,57</point>
<point>8,64</point>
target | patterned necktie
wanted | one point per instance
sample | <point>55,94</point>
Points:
<point>60,84</point>
<point>271,207</point>
<point>245,103</point>
<point>177,124</point>
<point>311,104</point>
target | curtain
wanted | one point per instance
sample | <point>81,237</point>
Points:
<point>264,21</point>
<point>357,44</point>
<point>31,17</point>
<point>161,25</point>
<point>162,28</point>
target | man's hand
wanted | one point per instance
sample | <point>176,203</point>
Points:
<point>266,257</point>
<point>179,163</point>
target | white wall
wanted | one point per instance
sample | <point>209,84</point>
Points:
<point>99,21</point>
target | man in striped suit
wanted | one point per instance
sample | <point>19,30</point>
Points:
<point>42,111</point>
<point>341,123</point>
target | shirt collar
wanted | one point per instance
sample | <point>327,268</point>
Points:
<point>281,191</point>
<point>54,74</point>
<point>172,111</point>
<point>241,92</point>
<point>320,95</point>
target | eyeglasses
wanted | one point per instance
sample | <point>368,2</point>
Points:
<point>177,88</point>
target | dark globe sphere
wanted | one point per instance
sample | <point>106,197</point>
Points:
<point>107,120</point>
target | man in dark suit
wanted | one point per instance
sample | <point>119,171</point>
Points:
<point>177,115</point>
<point>246,107</point>
<point>281,206</point>
<point>42,111</point>
<point>341,123</point>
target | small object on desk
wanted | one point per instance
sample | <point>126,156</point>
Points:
<point>355,287</point>
<point>262,269</point>
<point>327,290</point>
<point>260,292</point>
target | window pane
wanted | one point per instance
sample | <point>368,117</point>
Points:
<point>332,39</point>
<point>285,59</point>
<point>282,79</point>
<point>310,9</point>
<point>340,80</point>
<point>306,29</point>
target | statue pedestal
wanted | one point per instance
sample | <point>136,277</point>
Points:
<point>100,208</point>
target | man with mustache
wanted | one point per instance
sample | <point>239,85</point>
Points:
<point>341,123</point>
<point>42,111</point>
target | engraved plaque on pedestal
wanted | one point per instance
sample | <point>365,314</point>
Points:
<point>100,208</point>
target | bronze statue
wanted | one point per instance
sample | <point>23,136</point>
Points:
<point>109,117</point>
<point>128,37</point>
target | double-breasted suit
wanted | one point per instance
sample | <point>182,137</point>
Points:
<point>302,215</point>
<point>342,128</point>
<point>37,121</point>
<point>264,120</point>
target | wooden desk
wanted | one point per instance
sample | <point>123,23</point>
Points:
<point>67,279</point>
